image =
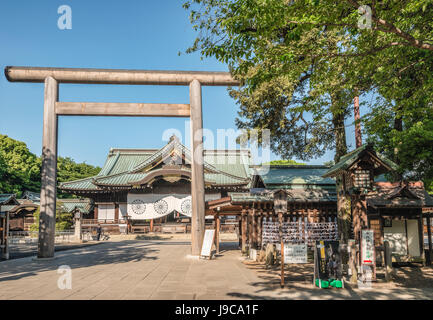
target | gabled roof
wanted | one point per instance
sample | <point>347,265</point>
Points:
<point>9,203</point>
<point>33,196</point>
<point>82,205</point>
<point>349,159</point>
<point>174,147</point>
<point>8,199</point>
<point>130,167</point>
<point>399,195</point>
<point>293,177</point>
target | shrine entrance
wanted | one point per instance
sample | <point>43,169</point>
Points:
<point>52,77</point>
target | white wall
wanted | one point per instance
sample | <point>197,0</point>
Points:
<point>396,235</point>
<point>413,237</point>
<point>106,211</point>
<point>123,210</point>
<point>401,242</point>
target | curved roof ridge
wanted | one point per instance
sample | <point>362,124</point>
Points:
<point>174,143</point>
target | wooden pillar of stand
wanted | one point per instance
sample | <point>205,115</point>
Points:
<point>244,229</point>
<point>428,218</point>
<point>217,232</point>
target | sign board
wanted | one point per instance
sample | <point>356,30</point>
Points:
<point>295,253</point>
<point>367,247</point>
<point>298,231</point>
<point>208,239</point>
<point>327,260</point>
<point>368,256</point>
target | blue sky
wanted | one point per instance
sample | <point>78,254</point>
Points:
<point>131,34</point>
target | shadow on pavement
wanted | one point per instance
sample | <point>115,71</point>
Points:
<point>105,253</point>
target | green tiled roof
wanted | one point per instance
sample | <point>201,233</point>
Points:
<point>82,184</point>
<point>242,197</point>
<point>293,195</point>
<point>347,160</point>
<point>83,205</point>
<point>6,197</point>
<point>119,161</point>
<point>32,196</point>
<point>295,176</point>
<point>123,167</point>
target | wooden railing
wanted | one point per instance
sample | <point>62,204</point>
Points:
<point>102,221</point>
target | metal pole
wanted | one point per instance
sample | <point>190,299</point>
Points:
<point>197,181</point>
<point>47,219</point>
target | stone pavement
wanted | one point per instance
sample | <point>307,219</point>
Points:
<point>155,269</point>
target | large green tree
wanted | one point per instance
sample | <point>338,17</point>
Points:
<point>69,170</point>
<point>21,167</point>
<point>295,57</point>
<point>301,62</point>
<point>20,170</point>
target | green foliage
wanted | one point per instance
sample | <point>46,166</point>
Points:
<point>20,170</point>
<point>69,170</point>
<point>301,63</point>
<point>35,225</point>
<point>20,167</point>
<point>284,163</point>
<point>64,220</point>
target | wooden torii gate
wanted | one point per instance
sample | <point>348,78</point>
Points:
<point>52,77</point>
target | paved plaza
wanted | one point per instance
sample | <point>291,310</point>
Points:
<point>161,269</point>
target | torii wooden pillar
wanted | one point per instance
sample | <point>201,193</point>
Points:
<point>52,109</point>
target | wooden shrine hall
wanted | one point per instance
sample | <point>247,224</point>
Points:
<point>307,194</point>
<point>394,210</point>
<point>146,190</point>
<point>308,198</point>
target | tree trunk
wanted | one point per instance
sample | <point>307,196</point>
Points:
<point>398,125</point>
<point>343,198</point>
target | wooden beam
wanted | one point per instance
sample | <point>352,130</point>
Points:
<point>429,240</point>
<point>122,109</point>
<point>244,230</point>
<point>119,76</point>
<point>254,229</point>
<point>47,218</point>
<point>217,233</point>
<point>95,212</point>
<point>260,231</point>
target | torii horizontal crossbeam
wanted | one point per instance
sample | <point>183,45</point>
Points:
<point>122,109</point>
<point>119,76</point>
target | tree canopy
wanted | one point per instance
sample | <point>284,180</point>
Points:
<point>20,170</point>
<point>301,63</point>
<point>284,163</point>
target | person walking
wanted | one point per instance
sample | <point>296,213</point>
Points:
<point>98,232</point>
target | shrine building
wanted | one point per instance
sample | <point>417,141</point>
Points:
<point>139,189</point>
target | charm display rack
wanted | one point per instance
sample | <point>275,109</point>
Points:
<point>299,232</point>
